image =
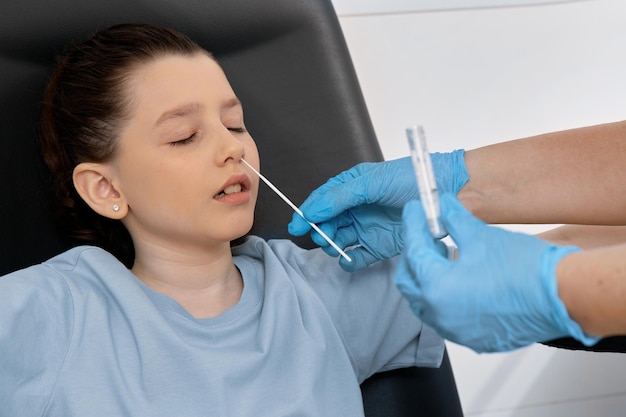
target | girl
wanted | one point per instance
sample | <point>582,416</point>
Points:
<point>155,315</point>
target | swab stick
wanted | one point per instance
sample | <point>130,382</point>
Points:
<point>297,210</point>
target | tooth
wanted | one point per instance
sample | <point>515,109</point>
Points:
<point>235,188</point>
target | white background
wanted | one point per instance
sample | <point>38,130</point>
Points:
<point>475,74</point>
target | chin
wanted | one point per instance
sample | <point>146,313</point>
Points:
<point>238,227</point>
<point>242,230</point>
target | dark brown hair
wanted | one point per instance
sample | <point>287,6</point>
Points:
<point>84,106</point>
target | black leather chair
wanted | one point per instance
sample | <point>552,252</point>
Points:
<point>288,62</point>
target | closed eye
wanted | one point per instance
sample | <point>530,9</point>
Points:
<point>237,129</point>
<point>185,141</point>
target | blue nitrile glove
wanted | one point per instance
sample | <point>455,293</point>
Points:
<point>362,207</point>
<point>501,292</point>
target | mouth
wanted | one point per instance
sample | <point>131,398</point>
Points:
<point>231,189</point>
<point>235,184</point>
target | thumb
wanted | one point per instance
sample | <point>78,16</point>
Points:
<point>461,224</point>
<point>298,226</point>
<point>421,249</point>
<point>416,232</point>
<point>420,261</point>
<point>361,258</point>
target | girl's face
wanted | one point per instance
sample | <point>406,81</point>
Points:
<point>178,162</point>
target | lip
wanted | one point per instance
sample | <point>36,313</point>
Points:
<point>239,197</point>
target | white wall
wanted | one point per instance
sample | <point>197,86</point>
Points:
<point>478,76</point>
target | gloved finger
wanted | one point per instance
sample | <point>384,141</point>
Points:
<point>366,183</point>
<point>346,237</point>
<point>423,253</point>
<point>389,183</point>
<point>461,224</point>
<point>298,226</point>
<point>329,250</point>
<point>320,207</point>
<point>328,201</point>
<point>361,258</point>
<point>416,233</point>
<point>331,228</point>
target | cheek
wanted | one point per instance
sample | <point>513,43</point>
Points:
<point>146,178</point>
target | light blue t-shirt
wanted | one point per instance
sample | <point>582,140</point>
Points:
<point>81,336</point>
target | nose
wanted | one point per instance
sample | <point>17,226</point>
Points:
<point>230,148</point>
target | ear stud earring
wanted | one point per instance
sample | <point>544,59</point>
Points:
<point>116,207</point>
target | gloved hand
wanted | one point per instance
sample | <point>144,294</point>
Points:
<point>362,207</point>
<point>501,292</point>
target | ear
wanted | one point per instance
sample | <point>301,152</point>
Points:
<point>94,185</point>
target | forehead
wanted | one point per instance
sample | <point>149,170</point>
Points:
<point>173,80</point>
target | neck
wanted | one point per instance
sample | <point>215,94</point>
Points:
<point>205,283</point>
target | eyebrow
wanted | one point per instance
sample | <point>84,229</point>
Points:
<point>232,102</point>
<point>182,111</point>
<point>191,108</point>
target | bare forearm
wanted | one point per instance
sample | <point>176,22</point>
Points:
<point>574,176</point>
<point>592,285</point>
<point>586,237</point>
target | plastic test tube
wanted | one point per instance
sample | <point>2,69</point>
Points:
<point>426,180</point>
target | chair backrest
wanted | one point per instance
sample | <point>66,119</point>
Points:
<point>288,62</point>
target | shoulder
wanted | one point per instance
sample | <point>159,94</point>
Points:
<point>82,257</point>
<point>272,254</point>
<point>284,255</point>
<point>51,281</point>
<point>321,272</point>
<point>38,315</point>
<point>47,295</point>
<point>314,265</point>
<point>258,248</point>
<point>67,261</point>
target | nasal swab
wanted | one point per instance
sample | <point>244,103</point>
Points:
<point>297,210</point>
